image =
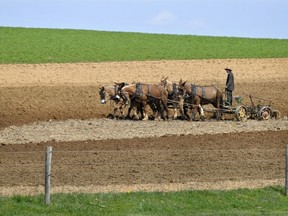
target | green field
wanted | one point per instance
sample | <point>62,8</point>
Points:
<point>267,201</point>
<point>28,45</point>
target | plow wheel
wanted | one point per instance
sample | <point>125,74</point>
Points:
<point>241,113</point>
<point>265,113</point>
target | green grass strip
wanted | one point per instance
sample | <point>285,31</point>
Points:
<point>266,201</point>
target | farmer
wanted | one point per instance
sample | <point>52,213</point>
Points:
<point>229,86</point>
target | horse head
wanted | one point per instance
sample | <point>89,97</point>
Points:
<point>103,95</point>
<point>167,84</point>
<point>163,81</point>
<point>181,88</point>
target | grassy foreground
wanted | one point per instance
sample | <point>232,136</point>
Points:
<point>266,201</point>
<point>29,45</point>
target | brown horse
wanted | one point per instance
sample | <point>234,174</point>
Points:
<point>112,93</point>
<point>196,96</point>
<point>174,99</point>
<point>147,95</point>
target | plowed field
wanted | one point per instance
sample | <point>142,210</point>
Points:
<point>40,96</point>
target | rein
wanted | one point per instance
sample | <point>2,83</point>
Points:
<point>178,102</point>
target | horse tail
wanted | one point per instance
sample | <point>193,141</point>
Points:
<point>221,102</point>
<point>219,97</point>
<point>163,102</point>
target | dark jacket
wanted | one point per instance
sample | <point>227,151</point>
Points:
<point>230,81</point>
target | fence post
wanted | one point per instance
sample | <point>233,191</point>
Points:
<point>48,157</point>
<point>286,174</point>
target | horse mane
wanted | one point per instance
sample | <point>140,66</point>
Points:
<point>120,84</point>
<point>109,89</point>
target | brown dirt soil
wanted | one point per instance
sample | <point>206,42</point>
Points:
<point>41,92</point>
<point>33,93</point>
<point>251,159</point>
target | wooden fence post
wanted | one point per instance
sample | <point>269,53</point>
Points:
<point>48,159</point>
<point>286,173</point>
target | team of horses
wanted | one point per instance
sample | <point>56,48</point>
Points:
<point>142,98</point>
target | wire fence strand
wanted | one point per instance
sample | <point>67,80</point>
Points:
<point>79,171</point>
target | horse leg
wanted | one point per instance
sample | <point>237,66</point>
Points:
<point>116,107</point>
<point>166,111</point>
<point>129,112</point>
<point>186,110</point>
<point>136,108</point>
<point>164,108</point>
<point>159,111</point>
<point>133,104</point>
<point>201,112</point>
<point>140,110</point>
<point>145,114</point>
<point>115,112</point>
<point>183,110</point>
<point>126,98</point>
<point>219,114</point>
<point>121,108</point>
<point>175,111</point>
<point>193,110</point>
<point>135,115</point>
<point>156,107</point>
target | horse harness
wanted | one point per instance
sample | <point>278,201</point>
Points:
<point>117,94</point>
<point>139,90</point>
<point>193,93</point>
<point>173,94</point>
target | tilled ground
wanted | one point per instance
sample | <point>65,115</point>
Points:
<point>90,156</point>
<point>31,93</point>
<point>248,159</point>
<point>105,129</point>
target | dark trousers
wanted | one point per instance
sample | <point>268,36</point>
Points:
<point>229,97</point>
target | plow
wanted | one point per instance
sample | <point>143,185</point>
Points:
<point>243,112</point>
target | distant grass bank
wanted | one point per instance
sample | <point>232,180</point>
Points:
<point>31,45</point>
<point>266,201</point>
